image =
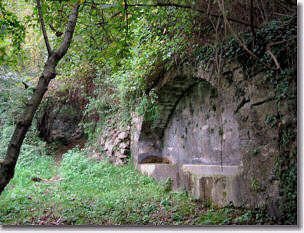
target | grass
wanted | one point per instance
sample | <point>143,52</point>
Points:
<point>86,191</point>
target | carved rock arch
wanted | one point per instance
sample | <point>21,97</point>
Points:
<point>184,97</point>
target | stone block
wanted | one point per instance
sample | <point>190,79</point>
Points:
<point>109,146</point>
<point>120,155</point>
<point>124,145</point>
<point>123,135</point>
<point>124,151</point>
<point>213,184</point>
<point>209,170</point>
<point>161,172</point>
<point>117,141</point>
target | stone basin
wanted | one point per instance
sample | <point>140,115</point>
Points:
<point>214,184</point>
<point>161,172</point>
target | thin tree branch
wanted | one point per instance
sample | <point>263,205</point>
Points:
<point>282,41</point>
<point>46,39</point>
<point>126,18</point>
<point>251,23</point>
<point>116,14</point>
<point>159,4</point>
<point>191,8</point>
<point>240,42</point>
<point>274,59</point>
<point>103,6</point>
<point>57,33</point>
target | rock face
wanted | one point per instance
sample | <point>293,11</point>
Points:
<point>203,129</point>
<point>217,134</point>
<point>59,122</point>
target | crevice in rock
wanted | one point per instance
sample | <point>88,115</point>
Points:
<point>263,101</point>
<point>241,104</point>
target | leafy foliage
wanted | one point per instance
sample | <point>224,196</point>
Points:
<point>87,191</point>
<point>124,58</point>
<point>271,36</point>
<point>13,93</point>
<point>12,34</point>
<point>109,70</point>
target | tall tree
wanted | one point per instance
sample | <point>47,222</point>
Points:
<point>7,166</point>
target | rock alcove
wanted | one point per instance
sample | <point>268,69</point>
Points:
<point>205,135</point>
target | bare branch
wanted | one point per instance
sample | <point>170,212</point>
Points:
<point>159,4</point>
<point>268,50</point>
<point>251,23</point>
<point>57,33</point>
<point>282,41</point>
<point>46,39</point>
<point>126,17</point>
<point>240,42</point>
<point>274,59</point>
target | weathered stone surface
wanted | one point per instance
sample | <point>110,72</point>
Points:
<point>210,170</point>
<point>214,184</point>
<point>122,135</point>
<point>116,141</point>
<point>116,145</point>
<point>220,122</point>
<point>124,145</point>
<point>124,151</point>
<point>161,172</point>
<point>203,129</point>
<point>119,155</point>
<point>109,147</point>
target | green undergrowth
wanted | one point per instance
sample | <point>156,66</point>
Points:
<point>85,191</point>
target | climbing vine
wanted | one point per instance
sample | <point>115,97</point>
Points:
<point>128,49</point>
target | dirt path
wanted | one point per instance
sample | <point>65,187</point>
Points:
<point>58,155</point>
<point>61,150</point>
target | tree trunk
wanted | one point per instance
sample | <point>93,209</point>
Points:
<point>7,167</point>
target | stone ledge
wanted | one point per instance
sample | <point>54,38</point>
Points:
<point>214,184</point>
<point>210,170</point>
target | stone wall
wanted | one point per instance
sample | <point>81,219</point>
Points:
<point>115,144</point>
<point>203,128</point>
<point>209,125</point>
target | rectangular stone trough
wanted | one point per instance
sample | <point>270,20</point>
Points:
<point>161,172</point>
<point>213,184</point>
